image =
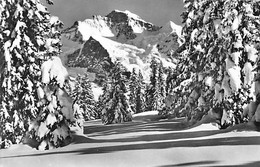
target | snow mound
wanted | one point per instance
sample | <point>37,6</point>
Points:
<point>20,148</point>
<point>147,116</point>
<point>203,127</point>
<point>147,113</point>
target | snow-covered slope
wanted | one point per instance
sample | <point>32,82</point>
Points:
<point>102,51</point>
<point>125,37</point>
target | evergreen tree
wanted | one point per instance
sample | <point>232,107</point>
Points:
<point>147,97</point>
<point>156,91</point>
<point>161,85</point>
<point>100,105</point>
<point>219,56</point>
<point>116,108</point>
<point>84,98</point>
<point>154,88</point>
<point>136,97</point>
<point>133,90</point>
<point>104,98</point>
<point>140,104</point>
<point>170,81</point>
<point>29,37</point>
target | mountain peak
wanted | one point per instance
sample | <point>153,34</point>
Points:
<point>125,37</point>
<point>123,25</point>
<point>128,14</point>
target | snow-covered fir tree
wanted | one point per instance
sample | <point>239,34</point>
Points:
<point>156,91</point>
<point>100,104</point>
<point>147,97</point>
<point>133,90</point>
<point>30,103</point>
<point>170,81</point>
<point>216,69</point>
<point>116,107</point>
<point>140,103</point>
<point>167,86</point>
<point>104,97</point>
<point>152,102</point>
<point>83,97</point>
<point>136,95</point>
<point>161,84</point>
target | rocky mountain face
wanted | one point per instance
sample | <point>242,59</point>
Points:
<point>126,24</point>
<point>125,37</point>
<point>92,55</point>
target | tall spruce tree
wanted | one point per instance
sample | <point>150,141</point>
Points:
<point>133,90</point>
<point>147,97</point>
<point>170,81</point>
<point>116,106</point>
<point>103,99</point>
<point>161,84</point>
<point>155,99</point>
<point>154,88</point>
<point>83,96</point>
<point>140,104</point>
<point>219,57</point>
<point>28,37</point>
<point>100,105</point>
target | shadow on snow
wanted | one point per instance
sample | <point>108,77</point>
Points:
<point>160,141</point>
<point>210,164</point>
<point>97,129</point>
<point>231,141</point>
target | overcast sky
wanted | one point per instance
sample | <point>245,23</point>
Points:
<point>159,12</point>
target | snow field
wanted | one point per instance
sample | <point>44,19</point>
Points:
<point>145,144</point>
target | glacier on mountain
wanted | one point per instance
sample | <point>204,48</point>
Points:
<point>124,37</point>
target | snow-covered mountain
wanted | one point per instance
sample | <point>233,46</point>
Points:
<point>125,37</point>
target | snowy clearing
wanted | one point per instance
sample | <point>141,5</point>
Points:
<point>147,116</point>
<point>154,143</point>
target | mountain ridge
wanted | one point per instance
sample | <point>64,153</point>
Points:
<point>125,37</point>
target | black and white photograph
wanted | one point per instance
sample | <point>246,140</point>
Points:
<point>129,83</point>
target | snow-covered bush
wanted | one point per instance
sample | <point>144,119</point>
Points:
<point>33,103</point>
<point>51,125</point>
<point>218,57</point>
